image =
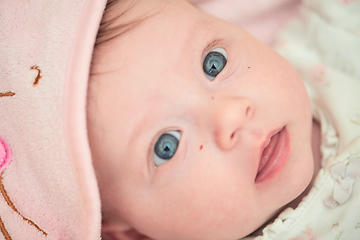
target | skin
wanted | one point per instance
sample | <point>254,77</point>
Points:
<point>150,81</point>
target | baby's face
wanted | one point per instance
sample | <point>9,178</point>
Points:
<point>180,155</point>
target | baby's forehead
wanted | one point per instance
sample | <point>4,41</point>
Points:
<point>125,16</point>
<point>154,39</point>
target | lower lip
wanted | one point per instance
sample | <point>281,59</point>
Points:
<point>277,159</point>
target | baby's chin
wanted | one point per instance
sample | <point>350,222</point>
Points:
<point>208,234</point>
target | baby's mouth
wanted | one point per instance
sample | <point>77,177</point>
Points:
<point>274,155</point>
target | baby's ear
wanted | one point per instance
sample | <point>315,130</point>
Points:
<point>121,231</point>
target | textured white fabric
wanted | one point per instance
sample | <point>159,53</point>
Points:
<point>324,45</point>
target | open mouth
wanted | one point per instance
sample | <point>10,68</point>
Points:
<point>274,156</point>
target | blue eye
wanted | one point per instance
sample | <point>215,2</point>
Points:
<point>214,63</point>
<point>166,147</point>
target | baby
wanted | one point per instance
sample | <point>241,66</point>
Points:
<point>188,128</point>
<point>197,129</point>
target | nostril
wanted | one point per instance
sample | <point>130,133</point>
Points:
<point>231,116</point>
<point>247,110</point>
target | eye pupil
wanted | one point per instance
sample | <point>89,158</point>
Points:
<point>166,146</point>
<point>214,63</point>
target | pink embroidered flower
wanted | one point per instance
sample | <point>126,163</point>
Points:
<point>306,235</point>
<point>5,155</point>
<point>308,230</point>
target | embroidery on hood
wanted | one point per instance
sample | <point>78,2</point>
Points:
<point>38,77</point>
<point>7,94</point>
<point>5,159</point>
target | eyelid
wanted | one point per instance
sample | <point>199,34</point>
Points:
<point>212,45</point>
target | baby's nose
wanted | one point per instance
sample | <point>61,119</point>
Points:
<point>231,115</point>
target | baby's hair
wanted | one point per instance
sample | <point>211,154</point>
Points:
<point>112,26</point>
<point>115,22</point>
<point>114,10</point>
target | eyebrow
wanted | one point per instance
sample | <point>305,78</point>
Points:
<point>144,123</point>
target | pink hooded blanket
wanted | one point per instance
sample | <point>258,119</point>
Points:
<point>48,187</point>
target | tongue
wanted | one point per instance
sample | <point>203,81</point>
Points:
<point>268,151</point>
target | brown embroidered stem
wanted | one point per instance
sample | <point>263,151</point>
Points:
<point>9,202</point>
<point>6,197</point>
<point>38,77</point>
<point>7,94</point>
<point>4,231</point>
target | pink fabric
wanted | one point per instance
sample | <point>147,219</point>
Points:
<point>263,19</point>
<point>51,189</point>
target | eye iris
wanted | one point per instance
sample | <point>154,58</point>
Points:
<point>166,146</point>
<point>214,62</point>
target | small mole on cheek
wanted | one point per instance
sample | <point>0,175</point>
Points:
<point>201,146</point>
